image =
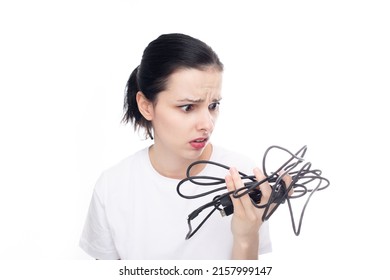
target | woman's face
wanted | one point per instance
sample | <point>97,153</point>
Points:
<point>184,115</point>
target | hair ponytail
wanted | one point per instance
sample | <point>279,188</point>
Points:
<point>132,114</point>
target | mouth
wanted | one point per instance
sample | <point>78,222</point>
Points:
<point>199,143</point>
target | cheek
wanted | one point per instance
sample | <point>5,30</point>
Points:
<point>215,116</point>
<point>168,121</point>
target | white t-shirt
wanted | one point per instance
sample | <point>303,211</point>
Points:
<point>136,213</point>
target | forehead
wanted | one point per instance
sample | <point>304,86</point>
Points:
<point>192,82</point>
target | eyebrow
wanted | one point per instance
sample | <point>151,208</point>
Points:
<point>199,100</point>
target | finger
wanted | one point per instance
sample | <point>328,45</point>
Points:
<point>264,187</point>
<point>287,179</point>
<point>266,192</point>
<point>230,185</point>
<point>245,200</point>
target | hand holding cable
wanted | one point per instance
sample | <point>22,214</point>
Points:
<point>265,193</point>
<point>247,219</point>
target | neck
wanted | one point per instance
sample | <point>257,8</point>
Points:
<point>173,166</point>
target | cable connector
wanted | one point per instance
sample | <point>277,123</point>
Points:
<point>226,202</point>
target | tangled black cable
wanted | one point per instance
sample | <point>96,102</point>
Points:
<point>302,179</point>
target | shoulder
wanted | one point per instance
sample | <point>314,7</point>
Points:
<point>127,164</point>
<point>121,173</point>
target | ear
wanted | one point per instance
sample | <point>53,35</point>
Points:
<point>145,106</point>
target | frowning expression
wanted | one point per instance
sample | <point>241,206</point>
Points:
<point>184,114</point>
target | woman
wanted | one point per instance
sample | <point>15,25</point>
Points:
<point>135,212</point>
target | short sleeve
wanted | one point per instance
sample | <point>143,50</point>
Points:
<point>96,239</point>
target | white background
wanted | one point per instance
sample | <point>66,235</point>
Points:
<point>297,73</point>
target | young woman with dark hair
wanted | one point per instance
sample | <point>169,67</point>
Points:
<point>135,212</point>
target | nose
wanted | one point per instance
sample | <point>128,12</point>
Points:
<point>205,121</point>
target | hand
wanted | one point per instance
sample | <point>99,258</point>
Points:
<point>247,219</point>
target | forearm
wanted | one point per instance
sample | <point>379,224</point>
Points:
<point>245,249</point>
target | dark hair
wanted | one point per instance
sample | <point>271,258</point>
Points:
<point>161,58</point>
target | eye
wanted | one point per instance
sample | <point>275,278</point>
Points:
<point>214,106</point>
<point>187,108</point>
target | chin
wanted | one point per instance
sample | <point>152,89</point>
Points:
<point>196,154</point>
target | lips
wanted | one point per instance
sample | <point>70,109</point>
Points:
<point>199,143</point>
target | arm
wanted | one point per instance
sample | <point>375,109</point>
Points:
<point>245,249</point>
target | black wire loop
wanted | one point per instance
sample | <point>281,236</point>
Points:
<point>303,179</point>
